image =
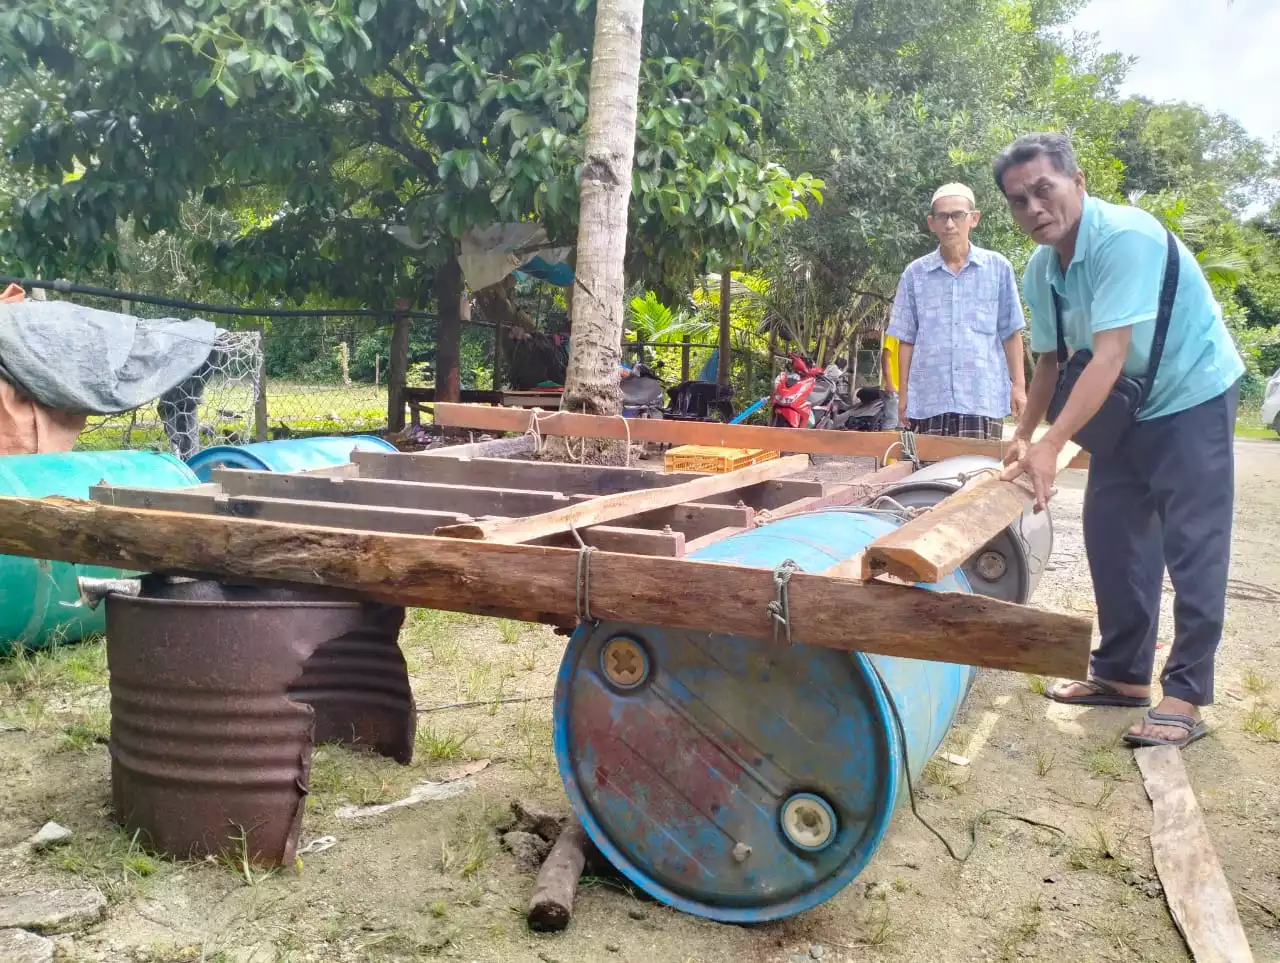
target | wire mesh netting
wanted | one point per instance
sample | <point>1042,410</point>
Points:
<point>214,406</point>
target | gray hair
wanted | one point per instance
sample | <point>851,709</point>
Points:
<point>1056,147</point>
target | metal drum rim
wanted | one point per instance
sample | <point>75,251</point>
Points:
<point>799,903</point>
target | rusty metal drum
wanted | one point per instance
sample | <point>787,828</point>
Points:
<point>218,694</point>
<point>736,779</point>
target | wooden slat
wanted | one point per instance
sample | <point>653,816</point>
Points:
<point>1194,885</point>
<point>506,473</point>
<point>498,448</point>
<point>466,499</point>
<point>941,540</point>
<point>848,443</point>
<point>695,520</point>
<point>626,541</point>
<point>608,508</point>
<point>320,514</point>
<point>539,583</point>
<point>770,495</point>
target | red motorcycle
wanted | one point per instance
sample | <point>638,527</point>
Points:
<point>802,396</point>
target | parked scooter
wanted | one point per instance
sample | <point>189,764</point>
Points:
<point>643,395</point>
<point>802,396</point>
<point>869,412</point>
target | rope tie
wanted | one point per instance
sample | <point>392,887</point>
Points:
<point>582,600</point>
<point>780,608</point>
<point>909,447</point>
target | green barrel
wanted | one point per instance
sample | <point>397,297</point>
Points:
<point>40,599</point>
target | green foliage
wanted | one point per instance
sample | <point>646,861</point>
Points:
<point>316,125</point>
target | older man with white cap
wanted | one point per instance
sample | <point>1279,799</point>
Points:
<point>958,320</point>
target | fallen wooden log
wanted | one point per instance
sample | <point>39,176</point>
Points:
<point>1194,885</point>
<point>542,584</point>
<point>935,544</point>
<point>551,906</point>
<point>608,508</point>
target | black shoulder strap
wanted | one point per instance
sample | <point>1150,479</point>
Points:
<point>1057,314</point>
<point>1168,292</point>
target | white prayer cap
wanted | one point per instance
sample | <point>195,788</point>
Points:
<point>953,190</point>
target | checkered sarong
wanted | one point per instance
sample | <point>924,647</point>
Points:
<point>960,426</point>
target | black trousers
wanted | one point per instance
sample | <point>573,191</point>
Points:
<point>1165,497</point>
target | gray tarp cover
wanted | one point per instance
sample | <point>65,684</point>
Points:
<point>85,361</point>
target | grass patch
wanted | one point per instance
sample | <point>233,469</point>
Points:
<point>938,772</point>
<point>1025,929</point>
<point>473,843</point>
<point>1102,852</point>
<point>1038,684</point>
<point>1045,761</point>
<point>1262,722</point>
<point>114,862</point>
<point>1255,683</point>
<point>433,745</point>
<point>56,667</point>
<point>510,631</point>
<point>239,860</point>
<point>341,775</point>
<point>1255,430</point>
<point>1103,760</point>
<point>91,728</point>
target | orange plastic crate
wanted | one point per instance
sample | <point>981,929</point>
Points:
<point>715,460</point>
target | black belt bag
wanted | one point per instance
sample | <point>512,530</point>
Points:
<point>1102,433</point>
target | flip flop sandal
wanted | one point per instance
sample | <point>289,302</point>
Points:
<point>1099,694</point>
<point>1195,729</point>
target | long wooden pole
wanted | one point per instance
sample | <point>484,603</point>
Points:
<point>544,584</point>
<point>853,444</point>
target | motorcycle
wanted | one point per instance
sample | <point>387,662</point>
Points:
<point>802,396</point>
<point>643,394</point>
<point>869,412</point>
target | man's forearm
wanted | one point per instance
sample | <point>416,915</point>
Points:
<point>1044,379</point>
<point>1015,355</point>
<point>904,366</point>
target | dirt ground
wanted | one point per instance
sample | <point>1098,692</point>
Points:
<point>432,880</point>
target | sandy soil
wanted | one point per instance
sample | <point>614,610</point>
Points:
<point>433,880</point>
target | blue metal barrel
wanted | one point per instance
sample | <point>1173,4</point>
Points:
<point>738,780</point>
<point>39,598</point>
<point>286,455</point>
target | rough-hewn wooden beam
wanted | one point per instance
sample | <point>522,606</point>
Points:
<point>510,473</point>
<point>608,508</point>
<point>498,448</point>
<point>467,499</point>
<point>935,544</point>
<point>323,514</point>
<point>859,491</point>
<point>623,540</point>
<point>865,444</point>
<point>541,584</point>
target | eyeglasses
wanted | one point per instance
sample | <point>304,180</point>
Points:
<point>955,217</point>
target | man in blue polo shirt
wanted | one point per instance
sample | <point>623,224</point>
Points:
<point>1164,496</point>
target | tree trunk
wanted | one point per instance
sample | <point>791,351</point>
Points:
<point>725,370</point>
<point>591,383</point>
<point>450,291</point>
<point>397,370</point>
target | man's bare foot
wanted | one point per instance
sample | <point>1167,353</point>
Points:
<point>1169,706</point>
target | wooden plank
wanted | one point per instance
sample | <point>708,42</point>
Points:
<point>538,583</point>
<point>626,541</point>
<point>320,514</point>
<point>349,470</point>
<point>770,495</point>
<point>695,520</point>
<point>508,473</point>
<point>608,508</point>
<point>861,444</point>
<point>1194,885</point>
<point>932,545</point>
<point>466,499</point>
<point>498,448</point>
<point>861,490</point>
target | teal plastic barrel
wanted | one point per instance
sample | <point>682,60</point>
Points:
<point>738,779</point>
<point>39,598</point>
<point>286,455</point>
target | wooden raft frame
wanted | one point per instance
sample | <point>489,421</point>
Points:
<point>368,528</point>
